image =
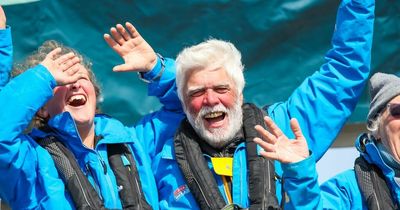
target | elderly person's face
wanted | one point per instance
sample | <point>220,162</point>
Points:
<point>389,128</point>
<point>212,104</point>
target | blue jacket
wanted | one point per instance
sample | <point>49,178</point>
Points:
<point>6,53</point>
<point>330,93</point>
<point>343,190</point>
<point>301,184</point>
<point>29,178</point>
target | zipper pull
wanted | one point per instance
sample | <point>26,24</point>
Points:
<point>87,169</point>
<point>104,166</point>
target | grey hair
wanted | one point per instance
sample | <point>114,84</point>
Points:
<point>373,125</point>
<point>211,53</point>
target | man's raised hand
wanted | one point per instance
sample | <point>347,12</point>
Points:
<point>278,147</point>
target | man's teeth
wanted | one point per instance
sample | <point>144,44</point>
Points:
<point>213,115</point>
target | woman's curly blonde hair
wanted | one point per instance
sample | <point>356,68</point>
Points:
<point>38,56</point>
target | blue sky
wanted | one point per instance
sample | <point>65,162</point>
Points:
<point>335,161</point>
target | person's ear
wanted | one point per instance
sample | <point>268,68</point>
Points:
<point>43,113</point>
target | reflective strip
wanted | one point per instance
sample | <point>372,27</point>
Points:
<point>125,160</point>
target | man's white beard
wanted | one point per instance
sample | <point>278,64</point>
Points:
<point>217,137</point>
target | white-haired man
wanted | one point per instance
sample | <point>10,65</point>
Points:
<point>212,162</point>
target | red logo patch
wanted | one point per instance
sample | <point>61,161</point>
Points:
<point>181,191</point>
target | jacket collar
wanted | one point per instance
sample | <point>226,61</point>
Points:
<point>113,131</point>
<point>369,150</point>
<point>109,130</point>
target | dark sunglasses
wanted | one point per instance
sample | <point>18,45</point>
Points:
<point>394,110</point>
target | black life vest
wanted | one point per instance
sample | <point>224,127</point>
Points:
<point>372,183</point>
<point>77,184</point>
<point>200,179</point>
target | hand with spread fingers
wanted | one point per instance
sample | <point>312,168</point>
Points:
<point>277,146</point>
<point>64,68</point>
<point>130,45</point>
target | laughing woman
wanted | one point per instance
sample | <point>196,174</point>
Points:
<point>73,158</point>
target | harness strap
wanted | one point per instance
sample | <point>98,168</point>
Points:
<point>123,165</point>
<point>372,183</point>
<point>82,192</point>
<point>195,169</point>
<point>373,186</point>
<point>262,190</point>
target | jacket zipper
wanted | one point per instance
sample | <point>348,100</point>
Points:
<point>135,177</point>
<point>107,178</point>
<point>84,194</point>
<point>96,186</point>
<point>109,184</point>
<point>103,164</point>
<point>202,193</point>
<point>197,183</point>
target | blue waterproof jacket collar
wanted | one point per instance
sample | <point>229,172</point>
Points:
<point>112,131</point>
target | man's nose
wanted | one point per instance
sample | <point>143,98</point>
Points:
<point>211,98</point>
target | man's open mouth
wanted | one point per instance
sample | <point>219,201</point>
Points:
<point>213,117</point>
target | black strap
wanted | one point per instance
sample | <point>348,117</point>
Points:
<point>82,192</point>
<point>262,191</point>
<point>126,174</point>
<point>200,179</point>
<point>373,185</point>
<point>194,167</point>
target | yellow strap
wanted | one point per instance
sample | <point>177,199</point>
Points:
<point>227,190</point>
<point>222,165</point>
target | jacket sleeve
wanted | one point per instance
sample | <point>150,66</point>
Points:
<point>20,99</point>
<point>6,56</point>
<point>154,129</point>
<point>325,100</point>
<point>304,192</point>
<point>165,87</point>
<point>341,192</point>
<point>301,184</point>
